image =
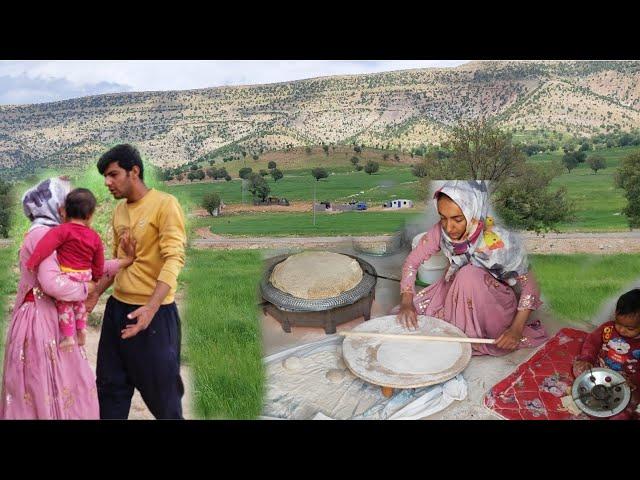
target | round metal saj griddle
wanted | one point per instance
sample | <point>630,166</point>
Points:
<point>324,312</point>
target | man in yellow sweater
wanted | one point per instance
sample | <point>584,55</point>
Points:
<point>140,338</point>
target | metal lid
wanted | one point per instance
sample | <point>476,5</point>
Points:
<point>601,392</point>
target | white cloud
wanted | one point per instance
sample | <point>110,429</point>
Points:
<point>54,80</point>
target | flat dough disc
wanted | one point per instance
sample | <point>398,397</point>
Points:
<point>419,357</point>
<point>315,275</point>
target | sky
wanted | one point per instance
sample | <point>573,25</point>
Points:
<point>34,81</point>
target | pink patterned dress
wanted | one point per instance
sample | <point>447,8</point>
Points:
<point>473,300</point>
<point>41,381</point>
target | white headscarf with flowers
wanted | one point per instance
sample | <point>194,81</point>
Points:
<point>41,203</point>
<point>483,244</point>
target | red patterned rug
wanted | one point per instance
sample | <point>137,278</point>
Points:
<point>535,390</point>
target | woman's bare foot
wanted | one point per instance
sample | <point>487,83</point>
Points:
<point>82,336</point>
<point>67,342</point>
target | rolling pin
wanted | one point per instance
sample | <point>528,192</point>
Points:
<point>396,336</point>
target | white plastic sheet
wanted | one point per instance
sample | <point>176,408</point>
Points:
<point>307,395</point>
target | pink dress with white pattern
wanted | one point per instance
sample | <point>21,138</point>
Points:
<point>41,381</point>
<point>473,300</point>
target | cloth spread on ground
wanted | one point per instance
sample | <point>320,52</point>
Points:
<point>536,389</point>
<point>312,382</point>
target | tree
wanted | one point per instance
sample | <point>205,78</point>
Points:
<point>258,187</point>
<point>597,162</point>
<point>585,147</point>
<point>227,177</point>
<point>419,170</point>
<point>6,207</point>
<point>264,172</point>
<point>570,161</point>
<point>211,202</point>
<point>255,157</point>
<point>211,172</point>
<point>193,168</point>
<point>307,150</point>
<point>326,149</point>
<point>244,172</point>
<point>628,178</point>
<point>359,168</point>
<point>319,173</point>
<point>371,167</point>
<point>180,177</point>
<point>271,165</point>
<point>199,174</point>
<point>525,202</point>
<point>192,176</point>
<point>276,174</point>
<point>221,173</point>
<point>357,149</point>
<point>478,150</point>
<point>354,160</point>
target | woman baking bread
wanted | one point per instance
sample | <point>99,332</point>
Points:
<point>486,262</point>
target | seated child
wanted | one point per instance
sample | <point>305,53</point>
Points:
<point>80,254</point>
<point>616,345</point>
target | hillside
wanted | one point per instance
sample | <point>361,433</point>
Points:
<point>401,109</point>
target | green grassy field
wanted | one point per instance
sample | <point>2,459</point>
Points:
<point>575,286</point>
<point>223,338</point>
<point>298,186</point>
<point>598,202</point>
<point>301,224</point>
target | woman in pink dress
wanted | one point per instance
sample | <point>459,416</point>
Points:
<point>41,380</point>
<point>488,264</point>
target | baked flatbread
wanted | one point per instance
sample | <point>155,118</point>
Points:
<point>315,275</point>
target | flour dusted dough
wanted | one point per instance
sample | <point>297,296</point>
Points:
<point>335,376</point>
<point>418,357</point>
<point>314,275</point>
<point>292,364</point>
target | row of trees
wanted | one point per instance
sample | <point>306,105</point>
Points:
<point>571,160</point>
<point>371,167</point>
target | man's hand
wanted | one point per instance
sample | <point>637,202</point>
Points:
<point>143,315</point>
<point>128,245</point>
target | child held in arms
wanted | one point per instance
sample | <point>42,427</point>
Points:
<point>80,254</point>
<point>616,345</point>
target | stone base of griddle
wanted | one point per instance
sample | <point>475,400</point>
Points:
<point>327,319</point>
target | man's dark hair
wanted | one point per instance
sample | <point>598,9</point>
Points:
<point>126,155</point>
<point>629,303</point>
<point>80,204</point>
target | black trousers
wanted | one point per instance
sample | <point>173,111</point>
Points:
<point>149,362</point>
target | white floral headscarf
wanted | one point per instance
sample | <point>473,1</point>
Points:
<point>41,203</point>
<point>497,250</point>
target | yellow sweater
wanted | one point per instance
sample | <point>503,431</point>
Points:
<point>156,222</point>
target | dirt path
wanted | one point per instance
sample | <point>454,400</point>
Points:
<point>562,243</point>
